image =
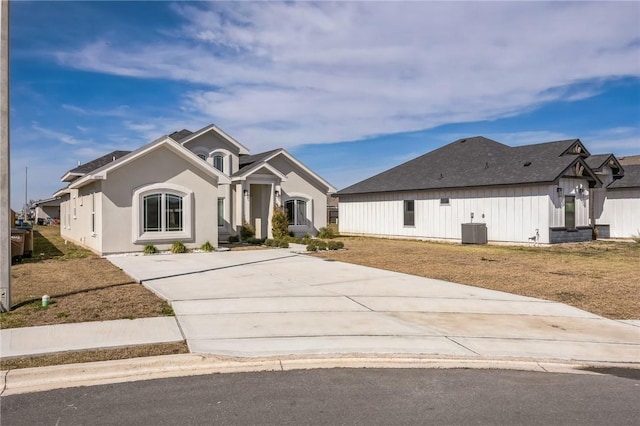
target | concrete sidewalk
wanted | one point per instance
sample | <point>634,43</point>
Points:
<point>276,303</point>
<point>46,339</point>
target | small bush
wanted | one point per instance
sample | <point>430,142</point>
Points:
<point>636,237</point>
<point>247,231</point>
<point>269,242</point>
<point>207,247</point>
<point>178,247</point>
<point>150,249</point>
<point>254,241</point>
<point>335,245</point>
<point>326,233</point>
<point>279,223</point>
<point>315,245</point>
<point>283,244</point>
<point>233,239</point>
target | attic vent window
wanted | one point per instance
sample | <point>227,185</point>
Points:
<point>527,164</point>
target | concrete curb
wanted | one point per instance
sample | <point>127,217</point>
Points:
<point>40,379</point>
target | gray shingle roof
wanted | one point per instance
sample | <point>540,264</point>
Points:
<point>470,162</point>
<point>631,178</point>
<point>629,160</point>
<point>181,134</point>
<point>98,162</point>
<point>246,161</point>
<point>597,161</point>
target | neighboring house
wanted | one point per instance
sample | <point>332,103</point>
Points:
<point>618,203</point>
<point>191,187</point>
<point>542,191</point>
<point>46,210</point>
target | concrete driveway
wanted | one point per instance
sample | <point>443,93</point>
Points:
<point>274,302</point>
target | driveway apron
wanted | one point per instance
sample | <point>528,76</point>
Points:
<point>275,302</point>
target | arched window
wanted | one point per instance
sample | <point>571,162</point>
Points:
<point>296,212</point>
<point>161,212</point>
<point>218,162</point>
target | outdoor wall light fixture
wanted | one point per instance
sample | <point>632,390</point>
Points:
<point>277,193</point>
<point>246,192</point>
<point>559,190</point>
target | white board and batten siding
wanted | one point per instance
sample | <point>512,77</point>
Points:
<point>512,214</point>
<point>578,188</point>
<point>621,211</point>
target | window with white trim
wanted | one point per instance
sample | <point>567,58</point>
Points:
<point>296,212</point>
<point>218,162</point>
<point>162,212</point>
<point>93,213</point>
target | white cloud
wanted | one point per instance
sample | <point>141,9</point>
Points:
<point>59,136</point>
<point>283,74</point>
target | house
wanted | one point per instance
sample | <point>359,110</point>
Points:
<point>192,187</point>
<point>618,203</point>
<point>46,210</point>
<point>542,192</point>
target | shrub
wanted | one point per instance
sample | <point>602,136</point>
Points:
<point>269,242</point>
<point>283,244</point>
<point>178,247</point>
<point>233,239</point>
<point>636,237</point>
<point>335,245</point>
<point>279,223</point>
<point>150,249</point>
<point>247,231</point>
<point>326,233</point>
<point>254,241</point>
<point>207,247</point>
<point>315,245</point>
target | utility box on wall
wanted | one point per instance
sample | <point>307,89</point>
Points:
<point>474,233</point>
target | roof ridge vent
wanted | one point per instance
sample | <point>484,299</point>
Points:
<point>463,140</point>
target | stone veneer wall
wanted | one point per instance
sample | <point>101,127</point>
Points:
<point>563,235</point>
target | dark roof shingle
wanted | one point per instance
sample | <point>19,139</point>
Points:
<point>98,162</point>
<point>631,178</point>
<point>470,162</point>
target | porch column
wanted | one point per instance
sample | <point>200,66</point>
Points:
<point>238,210</point>
<point>246,202</point>
<point>272,205</point>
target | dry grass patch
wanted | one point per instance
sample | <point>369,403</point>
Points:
<point>599,277</point>
<point>94,355</point>
<point>82,287</point>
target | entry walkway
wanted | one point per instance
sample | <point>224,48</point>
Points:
<point>274,302</point>
<point>87,335</point>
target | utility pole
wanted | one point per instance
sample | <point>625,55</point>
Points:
<point>5,199</point>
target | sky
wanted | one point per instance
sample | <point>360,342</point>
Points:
<point>349,88</point>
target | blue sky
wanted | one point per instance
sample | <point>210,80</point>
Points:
<point>350,88</point>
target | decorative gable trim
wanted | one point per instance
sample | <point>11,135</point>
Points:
<point>577,148</point>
